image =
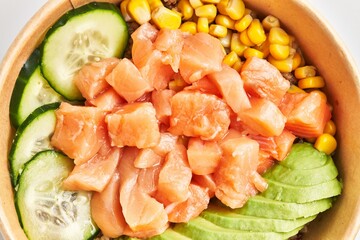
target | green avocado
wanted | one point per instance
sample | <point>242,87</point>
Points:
<point>170,234</point>
<point>301,194</point>
<point>200,228</point>
<point>303,177</point>
<point>267,208</point>
<point>226,218</point>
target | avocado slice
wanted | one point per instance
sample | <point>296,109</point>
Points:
<point>301,194</point>
<point>170,234</point>
<point>226,218</point>
<point>304,156</point>
<point>200,228</point>
<point>267,208</point>
<point>283,174</point>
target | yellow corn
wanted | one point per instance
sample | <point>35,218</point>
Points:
<point>235,9</point>
<point>186,9</point>
<point>256,32</point>
<point>294,89</point>
<point>248,11</point>
<point>189,27</point>
<point>284,66</point>
<point>330,128</point>
<point>236,45</point>
<point>325,143</point>
<point>264,48</point>
<point>244,38</point>
<point>243,23</point>
<point>210,1</point>
<point>304,72</point>
<point>252,52</point>
<point>311,82</point>
<point>124,11</point>
<point>279,52</point>
<point>270,22</point>
<point>221,6</point>
<point>166,18</point>
<point>154,4</point>
<point>203,25</point>
<point>322,94</point>
<point>218,31</point>
<point>139,10</point>
<point>209,11</point>
<point>297,60</point>
<point>225,41</point>
<point>237,65</point>
<point>196,3</point>
<point>225,21</point>
<point>231,58</point>
<point>279,36</point>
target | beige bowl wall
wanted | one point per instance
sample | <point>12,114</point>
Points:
<point>321,48</point>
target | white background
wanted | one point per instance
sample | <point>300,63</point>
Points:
<point>344,16</point>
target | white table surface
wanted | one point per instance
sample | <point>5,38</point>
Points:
<point>344,16</point>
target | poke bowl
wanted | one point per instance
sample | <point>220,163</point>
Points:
<point>324,73</point>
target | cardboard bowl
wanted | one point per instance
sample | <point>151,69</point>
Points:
<point>321,47</point>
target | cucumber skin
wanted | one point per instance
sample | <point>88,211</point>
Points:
<point>21,128</point>
<point>75,12</point>
<point>25,73</point>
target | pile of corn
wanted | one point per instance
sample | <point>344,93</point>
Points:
<point>243,35</point>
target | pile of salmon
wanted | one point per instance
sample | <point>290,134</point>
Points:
<point>163,133</point>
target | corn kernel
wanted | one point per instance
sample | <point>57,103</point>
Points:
<point>321,93</point>
<point>330,128</point>
<point>218,31</point>
<point>225,41</point>
<point>248,11</point>
<point>166,18</point>
<point>270,22</point>
<point>304,72</point>
<point>221,6</point>
<point>231,58</point>
<point>225,21</point>
<point>243,23</point>
<point>284,66</point>
<point>209,11</point>
<point>279,52</point>
<point>189,27</point>
<point>236,45</point>
<point>264,48</point>
<point>278,36</point>
<point>297,60</point>
<point>237,65</point>
<point>256,32</point>
<point>235,9</point>
<point>186,9</point>
<point>203,25</point>
<point>294,89</point>
<point>124,11</point>
<point>211,1</point>
<point>244,38</point>
<point>154,4</point>
<point>311,82</point>
<point>196,3</point>
<point>325,143</point>
<point>252,52</point>
<point>139,10</point>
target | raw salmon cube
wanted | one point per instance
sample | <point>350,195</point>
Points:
<point>266,161</point>
<point>148,179</point>
<point>167,144</point>
<point>107,100</point>
<point>207,182</point>
<point>147,158</point>
<point>196,114</point>
<point>134,125</point>
<point>175,176</point>
<point>231,86</point>
<point>202,54</point>
<point>90,80</point>
<point>289,101</point>
<point>127,81</point>
<point>308,117</point>
<point>161,101</point>
<point>264,118</point>
<point>204,85</point>
<point>261,79</point>
<point>203,156</point>
<point>79,131</point>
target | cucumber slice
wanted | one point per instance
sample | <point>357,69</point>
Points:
<point>31,91</point>
<point>88,33</point>
<point>32,137</point>
<point>46,211</point>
